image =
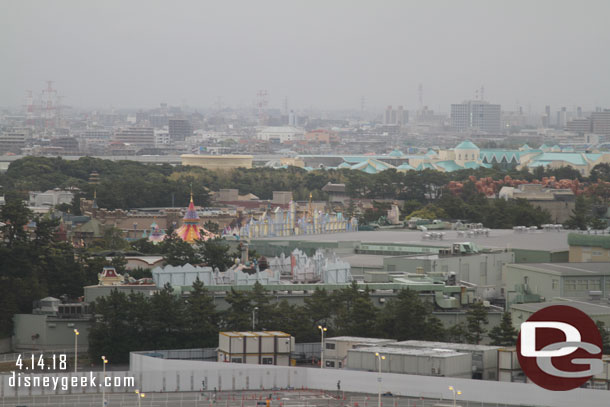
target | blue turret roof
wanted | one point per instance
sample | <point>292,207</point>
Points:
<point>466,145</point>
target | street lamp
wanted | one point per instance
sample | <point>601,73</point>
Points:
<point>254,317</point>
<point>104,360</point>
<point>140,396</point>
<point>76,333</point>
<point>322,330</point>
<point>455,394</point>
<point>379,358</point>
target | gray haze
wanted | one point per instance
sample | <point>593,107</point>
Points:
<point>326,54</point>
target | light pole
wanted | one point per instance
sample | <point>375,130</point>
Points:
<point>254,317</point>
<point>322,330</point>
<point>455,394</point>
<point>104,361</point>
<point>140,396</point>
<point>379,358</point>
<point>76,333</point>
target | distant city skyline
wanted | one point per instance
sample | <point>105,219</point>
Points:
<point>316,54</point>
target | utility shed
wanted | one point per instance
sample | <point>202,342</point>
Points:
<point>484,358</point>
<point>423,362</point>
<point>258,348</point>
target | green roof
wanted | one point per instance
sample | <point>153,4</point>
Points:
<point>578,239</point>
<point>449,166</point>
<point>466,145</point>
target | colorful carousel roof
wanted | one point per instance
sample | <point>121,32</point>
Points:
<point>190,229</point>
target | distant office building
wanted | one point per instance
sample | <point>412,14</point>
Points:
<point>292,119</point>
<point>601,122</point>
<point>562,118</point>
<point>158,121</point>
<point>95,134</point>
<point>579,126</point>
<point>476,115</point>
<point>12,141</point>
<point>179,129</point>
<point>398,116</point>
<point>162,138</point>
<point>546,120</point>
<point>139,136</point>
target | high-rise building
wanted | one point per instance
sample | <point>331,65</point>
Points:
<point>179,129</point>
<point>546,120</point>
<point>601,122</point>
<point>398,117</point>
<point>476,115</point>
<point>138,136</point>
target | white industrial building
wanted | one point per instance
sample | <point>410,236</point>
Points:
<point>280,134</point>
<point>484,358</point>
<point>258,348</point>
<point>424,362</point>
<point>335,349</point>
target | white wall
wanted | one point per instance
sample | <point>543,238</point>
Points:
<point>157,374</point>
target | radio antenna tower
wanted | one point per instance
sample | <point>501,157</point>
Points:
<point>261,104</point>
<point>49,102</point>
<point>29,108</point>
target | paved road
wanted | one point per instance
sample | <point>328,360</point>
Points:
<point>234,399</point>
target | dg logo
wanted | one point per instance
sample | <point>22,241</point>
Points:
<point>559,348</point>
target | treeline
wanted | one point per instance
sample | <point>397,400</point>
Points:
<point>33,265</point>
<point>166,321</point>
<point>129,184</point>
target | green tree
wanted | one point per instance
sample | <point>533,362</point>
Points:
<point>177,252</point>
<point>603,331</point>
<point>15,216</point>
<point>212,227</point>
<point>504,334</point>
<point>580,214</point>
<point>407,317</point>
<point>201,318</point>
<point>476,317</point>
<point>238,317</point>
<point>214,253</point>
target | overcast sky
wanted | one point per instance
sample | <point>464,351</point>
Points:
<point>325,54</point>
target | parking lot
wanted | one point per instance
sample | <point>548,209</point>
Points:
<point>263,398</point>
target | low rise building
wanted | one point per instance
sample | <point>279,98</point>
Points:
<point>589,247</point>
<point>335,349</point>
<point>258,348</point>
<point>484,357</point>
<point>51,326</point>
<point>554,280</point>
<point>560,203</point>
<point>424,362</point>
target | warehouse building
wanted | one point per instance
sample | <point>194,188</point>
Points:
<point>423,362</point>
<point>553,280</point>
<point>484,358</point>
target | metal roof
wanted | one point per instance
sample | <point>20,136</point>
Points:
<point>568,269</point>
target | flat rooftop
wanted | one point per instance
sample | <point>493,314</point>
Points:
<point>438,353</point>
<point>568,269</point>
<point>497,239</point>
<point>586,307</point>
<point>360,339</point>
<point>443,345</point>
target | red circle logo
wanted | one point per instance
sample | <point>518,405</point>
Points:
<point>559,348</point>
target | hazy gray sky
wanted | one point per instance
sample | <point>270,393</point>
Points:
<point>325,54</point>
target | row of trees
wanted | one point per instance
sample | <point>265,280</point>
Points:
<point>166,321</point>
<point>128,184</point>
